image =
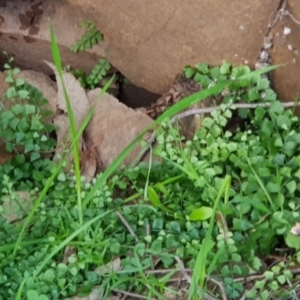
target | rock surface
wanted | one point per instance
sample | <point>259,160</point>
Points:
<point>112,127</point>
<point>286,50</point>
<point>150,42</point>
<point>25,34</point>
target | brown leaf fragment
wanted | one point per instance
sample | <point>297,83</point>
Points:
<point>117,124</point>
<point>80,106</point>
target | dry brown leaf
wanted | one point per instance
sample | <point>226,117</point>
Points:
<point>96,294</point>
<point>4,155</point>
<point>3,86</point>
<point>62,136</point>
<point>76,93</point>
<point>117,124</point>
<point>15,208</point>
<point>89,163</point>
<point>80,106</point>
<point>69,251</point>
<point>111,267</point>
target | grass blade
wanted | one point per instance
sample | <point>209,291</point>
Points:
<point>199,272</point>
<point>68,240</point>
<point>261,185</point>
<point>56,57</point>
<point>176,108</point>
<point>72,121</point>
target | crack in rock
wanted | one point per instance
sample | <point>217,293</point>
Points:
<point>264,59</point>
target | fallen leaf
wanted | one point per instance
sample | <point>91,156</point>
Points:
<point>111,267</point>
<point>4,155</point>
<point>15,207</point>
<point>96,294</point>
<point>89,161</point>
<point>80,106</point>
<point>76,93</point>
<point>118,124</point>
<point>62,136</point>
<point>69,251</point>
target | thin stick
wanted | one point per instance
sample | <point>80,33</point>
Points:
<point>182,270</point>
<point>205,110</point>
<point>127,226</point>
<point>220,285</point>
<point>133,295</point>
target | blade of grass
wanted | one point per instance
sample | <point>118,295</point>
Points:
<point>157,185</point>
<point>188,170</point>
<point>20,289</point>
<point>72,121</point>
<point>9,247</point>
<point>68,240</point>
<point>60,247</point>
<point>58,168</point>
<point>153,197</point>
<point>200,96</point>
<point>259,72</point>
<point>173,110</point>
<point>199,272</point>
<point>188,164</point>
<point>261,185</point>
<point>37,204</point>
<point>74,132</point>
<point>169,113</point>
<point>148,175</point>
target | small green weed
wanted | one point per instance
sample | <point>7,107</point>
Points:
<point>90,38</point>
<point>23,125</point>
<point>26,132</point>
<point>33,295</point>
<point>246,89</point>
<point>97,74</point>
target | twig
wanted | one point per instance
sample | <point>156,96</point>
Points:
<point>125,296</point>
<point>243,297</point>
<point>148,230</point>
<point>182,270</point>
<point>249,278</point>
<point>208,297</point>
<point>291,286</point>
<point>165,271</point>
<point>220,285</point>
<point>276,257</point>
<point>131,294</point>
<point>189,279</point>
<point>293,18</point>
<point>205,110</point>
<point>127,226</point>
